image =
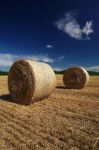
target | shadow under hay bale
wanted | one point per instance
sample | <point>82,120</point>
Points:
<point>6,97</point>
<point>60,87</point>
<point>30,81</point>
<point>75,78</point>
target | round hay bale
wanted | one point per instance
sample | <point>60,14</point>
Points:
<point>30,81</point>
<point>75,78</point>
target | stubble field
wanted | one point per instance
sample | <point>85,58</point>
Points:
<point>66,120</point>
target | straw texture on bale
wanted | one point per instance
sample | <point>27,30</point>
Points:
<point>30,81</point>
<point>75,78</point>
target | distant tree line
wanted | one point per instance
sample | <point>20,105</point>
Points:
<point>91,73</point>
<point>3,73</point>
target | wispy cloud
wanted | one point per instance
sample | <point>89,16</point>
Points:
<point>49,46</point>
<point>73,65</point>
<point>61,58</point>
<point>93,68</point>
<point>70,26</point>
<point>6,60</point>
<point>58,69</point>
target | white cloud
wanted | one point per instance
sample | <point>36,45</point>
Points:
<point>49,46</point>
<point>6,60</point>
<point>61,58</point>
<point>73,65</point>
<point>94,68</point>
<point>58,69</point>
<point>88,29</point>
<point>69,25</point>
<point>47,59</point>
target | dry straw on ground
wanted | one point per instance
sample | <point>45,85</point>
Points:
<point>75,78</point>
<point>66,120</point>
<point>30,81</point>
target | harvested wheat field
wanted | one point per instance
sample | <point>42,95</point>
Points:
<point>66,120</point>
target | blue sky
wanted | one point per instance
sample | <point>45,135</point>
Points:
<point>62,33</point>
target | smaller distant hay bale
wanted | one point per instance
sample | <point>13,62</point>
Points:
<point>75,78</point>
<point>30,81</point>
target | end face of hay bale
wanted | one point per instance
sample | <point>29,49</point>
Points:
<point>75,78</point>
<point>21,82</point>
<point>30,81</point>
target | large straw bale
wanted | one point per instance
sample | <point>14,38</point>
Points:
<point>75,78</point>
<point>30,81</point>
